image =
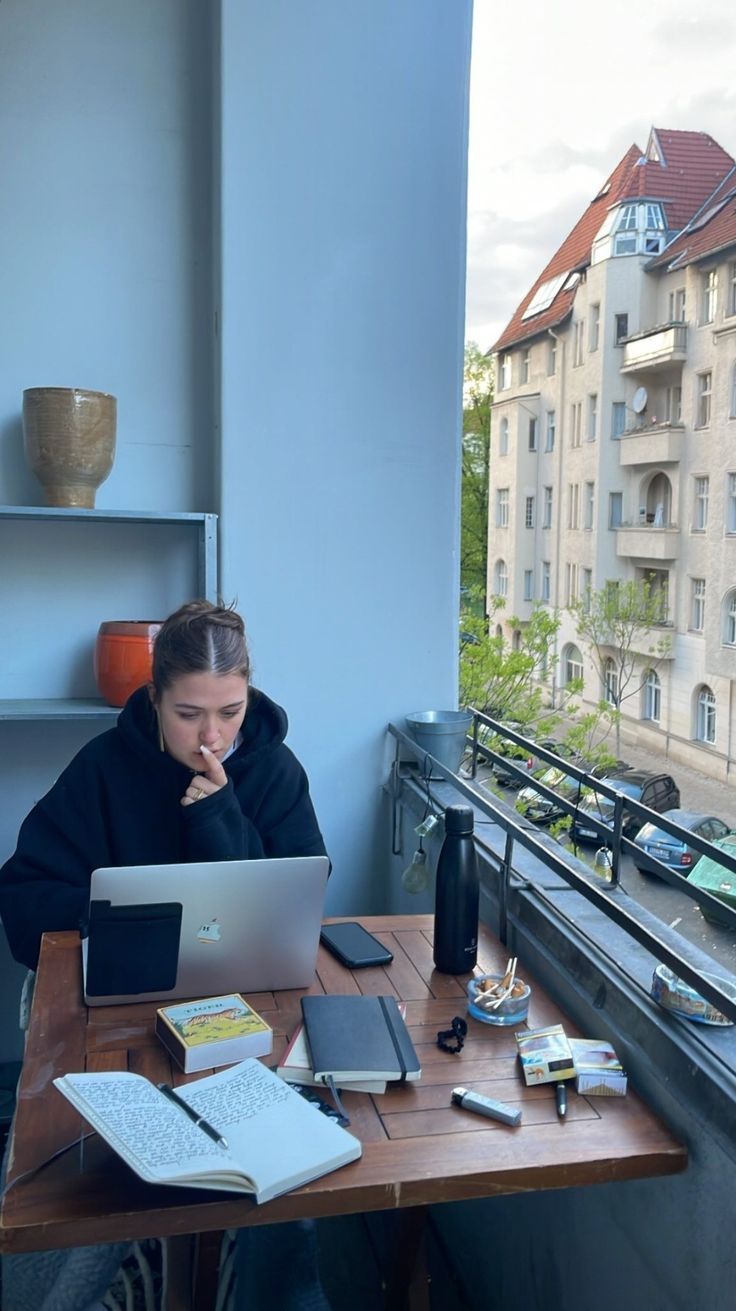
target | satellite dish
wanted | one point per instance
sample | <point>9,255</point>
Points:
<point>639,402</point>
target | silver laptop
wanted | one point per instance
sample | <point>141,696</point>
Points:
<point>159,932</point>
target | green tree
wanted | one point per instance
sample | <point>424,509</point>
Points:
<point>506,679</point>
<point>616,625</point>
<point>477,401</point>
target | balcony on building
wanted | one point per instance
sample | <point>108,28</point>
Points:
<point>645,541</point>
<point>655,349</point>
<point>652,443</point>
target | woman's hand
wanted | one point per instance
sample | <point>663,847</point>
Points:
<point>212,778</point>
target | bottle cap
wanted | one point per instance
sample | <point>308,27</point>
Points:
<point>458,819</point>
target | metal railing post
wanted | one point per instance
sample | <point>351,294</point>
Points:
<point>618,820</point>
<point>503,888</point>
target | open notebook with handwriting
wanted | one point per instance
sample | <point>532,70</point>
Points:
<point>275,1140</point>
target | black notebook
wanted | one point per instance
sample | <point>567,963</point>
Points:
<point>358,1037</point>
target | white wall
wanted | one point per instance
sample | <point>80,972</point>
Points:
<point>342,263</point>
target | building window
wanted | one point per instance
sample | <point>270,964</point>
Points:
<point>501,578</point>
<point>552,358</point>
<point>710,296</point>
<point>573,505</point>
<point>546,580</point>
<point>615,509</point>
<point>588,506</point>
<point>502,507</point>
<point>504,379</point>
<point>516,640</point>
<point>618,419</point>
<point>525,364</point>
<point>729,619</point>
<point>592,417</point>
<point>610,683</point>
<point>578,333</point>
<point>652,697</point>
<point>547,509</point>
<point>528,584</point>
<point>620,328</point>
<point>700,505</point>
<point>586,589</point>
<point>532,434</point>
<point>658,588</point>
<point>705,717</point>
<point>571,583</point>
<point>576,422</point>
<point>673,405</point>
<point>677,305</point>
<point>731,504</point>
<point>572,665</point>
<point>529,512</point>
<point>549,442</point>
<point>732,402</point>
<point>503,437</point>
<point>731,302</point>
<point>705,390</point>
<point>595,328</point>
<point>697,607</point>
<point>625,239</point>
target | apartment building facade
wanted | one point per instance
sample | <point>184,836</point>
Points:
<point>613,448</point>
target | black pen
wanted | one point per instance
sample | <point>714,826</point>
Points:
<point>561,1099</point>
<point>199,1120</point>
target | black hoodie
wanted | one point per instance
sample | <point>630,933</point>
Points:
<point>119,803</point>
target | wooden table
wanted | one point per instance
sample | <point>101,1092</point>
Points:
<point>417,1149</point>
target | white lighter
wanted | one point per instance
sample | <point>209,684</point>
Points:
<point>472,1101</point>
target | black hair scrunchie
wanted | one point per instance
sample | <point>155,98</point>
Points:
<point>452,1040</point>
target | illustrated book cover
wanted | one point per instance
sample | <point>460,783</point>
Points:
<point>213,1031</point>
<point>274,1140</point>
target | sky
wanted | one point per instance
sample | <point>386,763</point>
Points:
<point>559,91</point>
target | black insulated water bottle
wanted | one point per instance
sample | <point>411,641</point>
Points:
<point>456,896</point>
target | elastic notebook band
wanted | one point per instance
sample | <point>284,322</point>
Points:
<point>388,1016</point>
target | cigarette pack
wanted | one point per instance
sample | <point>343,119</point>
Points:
<point>545,1055</point>
<point>201,1035</point>
<point>598,1071</point>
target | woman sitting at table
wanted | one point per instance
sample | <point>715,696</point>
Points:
<point>196,769</point>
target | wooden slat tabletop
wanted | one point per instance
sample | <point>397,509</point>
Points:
<point>417,1148</point>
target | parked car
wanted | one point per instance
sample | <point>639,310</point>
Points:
<point>673,851</point>
<point>657,791</point>
<point>543,810</point>
<point>533,763</point>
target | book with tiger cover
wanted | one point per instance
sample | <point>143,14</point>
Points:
<point>213,1031</point>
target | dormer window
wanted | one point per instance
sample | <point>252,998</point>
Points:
<point>640,230</point>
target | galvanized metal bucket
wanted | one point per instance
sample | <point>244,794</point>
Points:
<point>443,733</point>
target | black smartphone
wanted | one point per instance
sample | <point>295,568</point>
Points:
<point>354,945</point>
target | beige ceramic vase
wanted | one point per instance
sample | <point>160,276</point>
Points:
<point>69,437</point>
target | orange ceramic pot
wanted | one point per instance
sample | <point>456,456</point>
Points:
<point>124,657</point>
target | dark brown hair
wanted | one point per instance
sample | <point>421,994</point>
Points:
<point>200,638</point>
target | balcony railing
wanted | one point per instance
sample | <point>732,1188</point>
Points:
<point>647,541</point>
<point>652,443</point>
<point>657,348</point>
<point>520,834</point>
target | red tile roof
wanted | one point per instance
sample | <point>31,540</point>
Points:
<point>690,166</point>
<point>713,228</point>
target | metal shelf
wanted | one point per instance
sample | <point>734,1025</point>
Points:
<point>59,708</point>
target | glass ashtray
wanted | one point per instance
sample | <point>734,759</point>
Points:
<point>511,1010</point>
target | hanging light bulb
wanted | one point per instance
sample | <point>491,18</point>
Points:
<point>416,875</point>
